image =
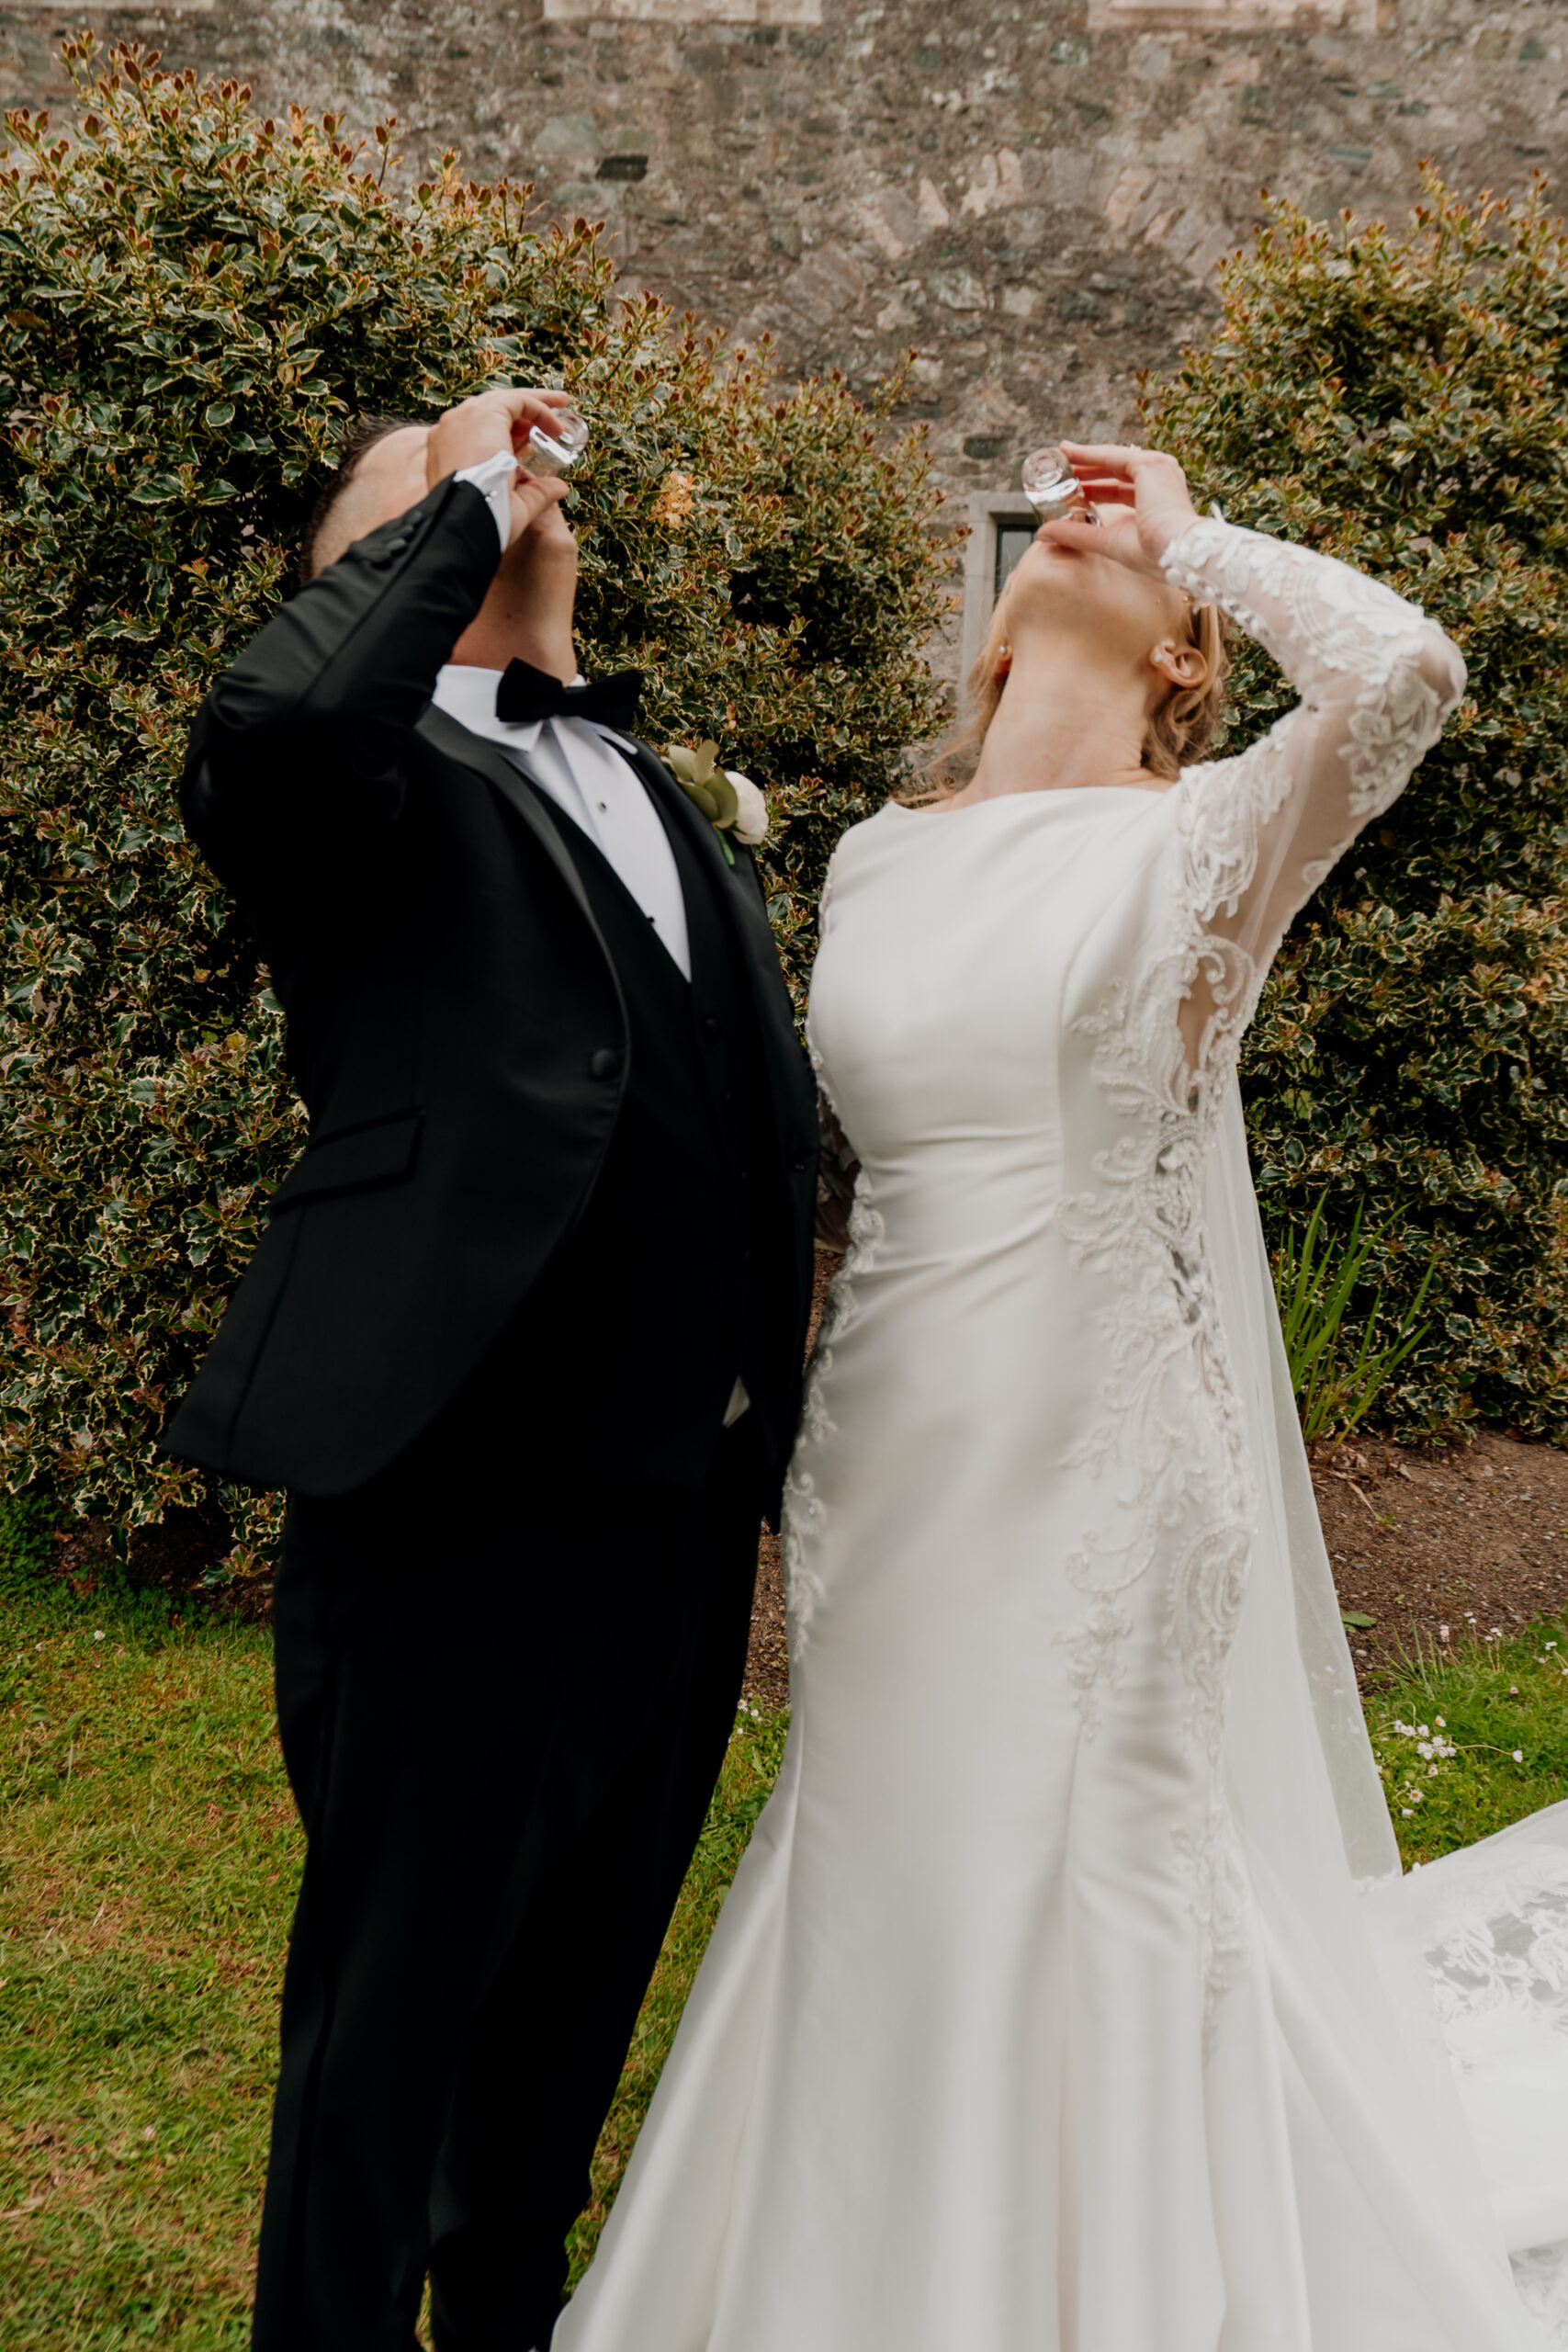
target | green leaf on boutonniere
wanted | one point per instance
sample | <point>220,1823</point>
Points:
<point>702,781</point>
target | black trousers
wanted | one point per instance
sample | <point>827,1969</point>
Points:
<point>503,1722</point>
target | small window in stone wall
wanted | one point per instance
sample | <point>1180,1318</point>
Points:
<point>1011,540</point>
<point>1233,16</point>
<point>1002,523</point>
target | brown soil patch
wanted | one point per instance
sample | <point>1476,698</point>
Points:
<point>174,1558</point>
<point>1439,1547</point>
<point>767,1662</point>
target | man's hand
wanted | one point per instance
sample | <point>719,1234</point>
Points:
<point>486,425</point>
<point>1148,484</point>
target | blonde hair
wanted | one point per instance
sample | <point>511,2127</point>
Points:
<point>1178,734</point>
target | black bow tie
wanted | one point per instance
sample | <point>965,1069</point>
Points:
<point>526,694</point>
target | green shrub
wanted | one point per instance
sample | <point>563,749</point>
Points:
<point>191,304</point>
<point>1399,397</point>
<point>24,1543</point>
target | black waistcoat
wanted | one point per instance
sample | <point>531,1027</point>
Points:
<point>675,1278</point>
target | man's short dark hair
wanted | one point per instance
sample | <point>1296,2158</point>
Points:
<point>357,442</point>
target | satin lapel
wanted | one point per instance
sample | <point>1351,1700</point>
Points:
<point>497,767</point>
<point>739,891</point>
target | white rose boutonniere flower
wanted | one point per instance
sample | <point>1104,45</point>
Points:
<point>730,801</point>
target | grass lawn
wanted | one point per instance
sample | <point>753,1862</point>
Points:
<point>1468,1739</point>
<point>147,1870</point>
<point>146,1877</point>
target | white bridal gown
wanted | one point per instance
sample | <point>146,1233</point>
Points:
<point>1069,1998</point>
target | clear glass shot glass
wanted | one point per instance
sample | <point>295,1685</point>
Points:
<point>558,450</point>
<point>1052,489</point>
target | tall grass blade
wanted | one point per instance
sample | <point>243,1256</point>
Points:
<point>1338,1379</point>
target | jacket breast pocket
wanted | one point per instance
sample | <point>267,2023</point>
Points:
<point>381,1151</point>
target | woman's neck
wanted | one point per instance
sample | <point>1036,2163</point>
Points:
<point>1061,724</point>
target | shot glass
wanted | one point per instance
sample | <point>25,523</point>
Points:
<point>1052,489</point>
<point>558,450</point>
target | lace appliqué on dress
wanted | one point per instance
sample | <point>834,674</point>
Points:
<point>1499,1970</point>
<point>1505,1948</point>
<point>1171,1436</point>
<point>1171,1440</point>
<point>1318,617</point>
<point>1144,1229</point>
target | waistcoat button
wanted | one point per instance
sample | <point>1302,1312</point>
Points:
<point>604,1064</point>
<point>710,1027</point>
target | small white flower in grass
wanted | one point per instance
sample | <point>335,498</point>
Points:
<point>1431,1772</point>
<point>98,1637</point>
<point>1407,1810</point>
<point>1442,1633</point>
<point>1441,1722</point>
<point>1519,1754</point>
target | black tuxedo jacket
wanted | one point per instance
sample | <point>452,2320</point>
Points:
<point>457,1026</point>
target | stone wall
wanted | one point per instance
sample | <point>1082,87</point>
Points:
<point>1034,199</point>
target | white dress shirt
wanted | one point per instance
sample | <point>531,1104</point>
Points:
<point>576,761</point>
<point>578,764</point>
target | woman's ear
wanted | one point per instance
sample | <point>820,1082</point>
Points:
<point>1180,665</point>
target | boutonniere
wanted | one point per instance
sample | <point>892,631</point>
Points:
<point>730,801</point>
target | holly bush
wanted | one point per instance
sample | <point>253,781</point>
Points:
<point>193,302</point>
<point>1399,397</point>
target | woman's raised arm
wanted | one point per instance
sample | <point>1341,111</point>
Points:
<point>1258,833</point>
<point>1377,681</point>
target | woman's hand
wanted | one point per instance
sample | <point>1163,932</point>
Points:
<point>1147,485</point>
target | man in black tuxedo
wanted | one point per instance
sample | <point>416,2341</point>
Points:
<point>522,1339</point>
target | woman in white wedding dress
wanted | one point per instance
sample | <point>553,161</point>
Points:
<point>1069,1998</point>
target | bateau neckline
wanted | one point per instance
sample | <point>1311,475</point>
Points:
<point>1005,799</point>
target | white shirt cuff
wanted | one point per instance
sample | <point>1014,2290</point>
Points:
<point>493,482</point>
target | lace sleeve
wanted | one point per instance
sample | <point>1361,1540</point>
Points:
<point>1377,681</point>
